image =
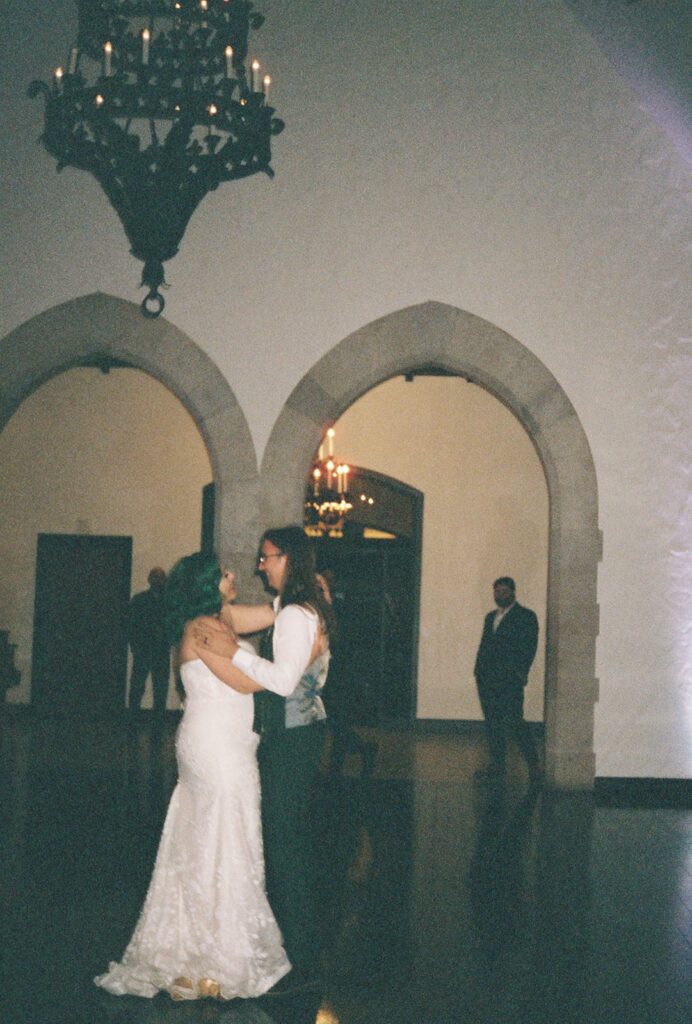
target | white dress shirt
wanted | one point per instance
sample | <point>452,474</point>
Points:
<point>295,629</point>
<point>500,614</point>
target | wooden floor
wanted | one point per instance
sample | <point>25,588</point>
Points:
<point>444,902</point>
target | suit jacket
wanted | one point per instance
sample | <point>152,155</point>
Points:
<point>506,654</point>
<point>146,629</point>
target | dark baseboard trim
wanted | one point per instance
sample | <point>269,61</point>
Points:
<point>462,725</point>
<point>645,792</point>
<point>121,714</point>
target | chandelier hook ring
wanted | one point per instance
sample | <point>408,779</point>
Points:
<point>152,304</point>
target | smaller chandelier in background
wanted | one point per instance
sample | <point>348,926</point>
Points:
<point>328,500</point>
<point>160,101</point>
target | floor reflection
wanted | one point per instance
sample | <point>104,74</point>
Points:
<point>443,901</point>
<point>499,867</point>
<point>304,1009</point>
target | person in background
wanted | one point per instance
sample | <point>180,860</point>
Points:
<point>149,644</point>
<point>505,655</point>
<point>338,693</point>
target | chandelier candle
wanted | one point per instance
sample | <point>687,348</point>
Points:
<point>327,498</point>
<point>255,75</point>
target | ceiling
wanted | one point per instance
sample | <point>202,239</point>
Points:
<point>649,42</point>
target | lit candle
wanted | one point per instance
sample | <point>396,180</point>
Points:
<point>229,61</point>
<point>330,441</point>
<point>213,109</point>
<point>254,85</point>
<point>266,82</point>
<point>347,470</point>
<point>146,36</point>
<point>72,66</point>
<point>57,74</point>
<point>107,54</point>
<point>204,6</point>
<point>330,472</point>
<point>99,100</point>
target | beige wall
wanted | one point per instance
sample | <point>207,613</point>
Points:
<point>485,515</point>
<point>487,156</point>
<point>95,453</point>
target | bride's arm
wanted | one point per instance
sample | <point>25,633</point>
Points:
<point>247,618</point>
<point>192,646</point>
<point>217,637</point>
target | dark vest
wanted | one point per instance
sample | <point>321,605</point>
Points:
<point>270,708</point>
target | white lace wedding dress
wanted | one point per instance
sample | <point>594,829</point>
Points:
<point>206,927</point>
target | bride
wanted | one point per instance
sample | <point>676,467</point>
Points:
<point>206,928</point>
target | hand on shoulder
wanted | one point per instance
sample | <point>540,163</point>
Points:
<point>206,633</point>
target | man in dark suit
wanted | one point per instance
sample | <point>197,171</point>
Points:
<point>506,653</point>
<point>149,644</point>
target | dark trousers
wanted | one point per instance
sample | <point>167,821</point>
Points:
<point>142,664</point>
<point>288,763</point>
<point>503,710</point>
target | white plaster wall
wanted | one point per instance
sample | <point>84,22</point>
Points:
<point>93,453</point>
<point>486,155</point>
<point>485,515</point>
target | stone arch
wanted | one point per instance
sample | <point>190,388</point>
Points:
<point>433,333</point>
<point>101,325</point>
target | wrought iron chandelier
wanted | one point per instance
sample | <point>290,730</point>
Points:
<point>160,102</point>
<point>328,500</point>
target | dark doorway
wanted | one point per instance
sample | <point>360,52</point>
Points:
<point>206,541</point>
<point>80,623</point>
<point>376,568</point>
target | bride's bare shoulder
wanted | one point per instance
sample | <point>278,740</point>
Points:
<point>188,644</point>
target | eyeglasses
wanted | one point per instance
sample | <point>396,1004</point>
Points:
<point>264,558</point>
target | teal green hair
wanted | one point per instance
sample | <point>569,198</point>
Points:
<point>192,589</point>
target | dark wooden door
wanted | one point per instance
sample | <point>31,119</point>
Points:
<point>374,600</point>
<point>376,565</point>
<point>206,541</point>
<point>79,661</point>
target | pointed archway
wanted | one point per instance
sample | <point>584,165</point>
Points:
<point>451,339</point>
<point>103,326</point>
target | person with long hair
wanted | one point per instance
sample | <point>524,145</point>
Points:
<point>206,927</point>
<point>291,722</point>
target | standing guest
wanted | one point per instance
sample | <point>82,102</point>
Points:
<point>507,649</point>
<point>339,692</point>
<point>149,643</point>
